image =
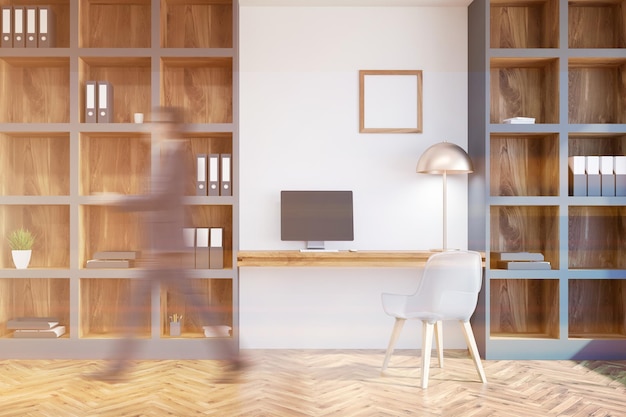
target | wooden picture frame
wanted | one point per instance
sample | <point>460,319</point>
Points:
<point>390,101</point>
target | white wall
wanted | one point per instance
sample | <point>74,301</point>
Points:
<point>299,130</point>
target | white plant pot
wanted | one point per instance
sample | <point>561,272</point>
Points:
<point>21,258</point>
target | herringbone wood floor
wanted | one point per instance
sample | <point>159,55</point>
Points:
<point>294,383</point>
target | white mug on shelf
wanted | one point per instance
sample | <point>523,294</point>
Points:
<point>138,117</point>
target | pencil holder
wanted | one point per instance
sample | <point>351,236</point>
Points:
<point>174,328</point>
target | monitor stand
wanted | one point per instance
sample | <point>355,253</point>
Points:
<point>316,246</point>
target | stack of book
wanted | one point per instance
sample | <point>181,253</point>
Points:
<point>520,260</point>
<point>36,327</point>
<point>112,259</point>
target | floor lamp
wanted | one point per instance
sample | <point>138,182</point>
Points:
<point>442,159</point>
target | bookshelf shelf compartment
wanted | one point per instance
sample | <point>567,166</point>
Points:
<point>526,87</point>
<point>36,164</point>
<point>196,24</point>
<point>524,308</point>
<point>212,294</point>
<point>597,144</point>
<point>114,163</point>
<point>524,24</point>
<point>526,229</point>
<point>524,164</point>
<point>596,237</point>
<point>114,24</point>
<point>50,225</point>
<point>35,297</point>
<point>204,143</point>
<point>600,24</point>
<point>130,79</point>
<point>597,308</point>
<point>214,216</point>
<point>104,228</point>
<point>202,87</point>
<point>597,90</point>
<point>107,309</point>
<point>37,90</point>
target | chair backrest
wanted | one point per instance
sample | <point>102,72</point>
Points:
<point>449,287</point>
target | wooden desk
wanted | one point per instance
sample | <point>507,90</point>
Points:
<point>282,258</point>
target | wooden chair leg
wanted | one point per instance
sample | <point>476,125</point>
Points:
<point>439,341</point>
<point>427,345</point>
<point>397,329</point>
<point>471,344</point>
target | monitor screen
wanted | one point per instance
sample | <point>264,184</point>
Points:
<point>316,216</point>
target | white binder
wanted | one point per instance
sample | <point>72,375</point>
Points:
<point>31,26</point>
<point>201,172</point>
<point>47,27</point>
<point>214,174</point>
<point>105,102</point>
<point>619,168</point>
<point>7,27</point>
<point>216,248</point>
<point>592,168</point>
<point>18,27</point>
<point>90,102</point>
<point>577,177</point>
<point>607,176</point>
<point>189,240</point>
<point>202,248</point>
<point>225,182</point>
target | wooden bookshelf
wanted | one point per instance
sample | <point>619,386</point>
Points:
<point>563,64</point>
<point>154,53</point>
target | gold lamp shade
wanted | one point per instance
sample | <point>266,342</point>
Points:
<point>444,157</point>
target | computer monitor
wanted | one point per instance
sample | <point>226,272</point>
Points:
<point>316,217</point>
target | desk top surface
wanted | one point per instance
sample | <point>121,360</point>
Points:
<point>366,258</point>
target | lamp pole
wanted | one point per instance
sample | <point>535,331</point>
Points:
<point>445,211</point>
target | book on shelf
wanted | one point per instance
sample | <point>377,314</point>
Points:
<point>116,254</point>
<point>518,256</point>
<point>32,323</point>
<point>521,265</point>
<point>520,120</point>
<point>52,333</point>
<point>108,263</point>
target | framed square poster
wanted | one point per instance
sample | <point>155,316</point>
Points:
<point>390,101</point>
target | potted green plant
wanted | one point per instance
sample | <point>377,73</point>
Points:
<point>21,243</point>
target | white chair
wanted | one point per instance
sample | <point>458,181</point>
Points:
<point>448,290</point>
